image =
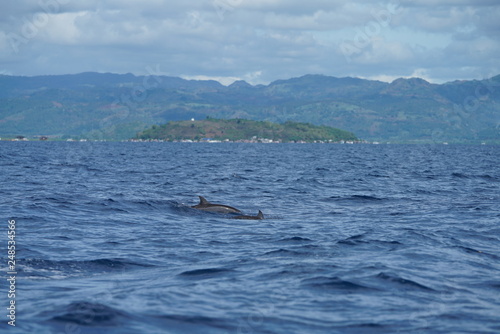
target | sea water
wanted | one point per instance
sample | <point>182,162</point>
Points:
<point>356,238</point>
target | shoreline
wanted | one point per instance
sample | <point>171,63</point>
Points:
<point>258,141</point>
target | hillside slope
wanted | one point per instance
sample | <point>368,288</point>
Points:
<point>114,106</point>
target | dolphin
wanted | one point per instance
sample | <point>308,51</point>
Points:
<point>259,216</point>
<point>213,207</point>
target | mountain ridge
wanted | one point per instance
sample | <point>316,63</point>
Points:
<point>117,106</point>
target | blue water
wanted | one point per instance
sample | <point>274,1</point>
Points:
<point>357,238</point>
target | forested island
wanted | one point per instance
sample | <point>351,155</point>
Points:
<point>242,130</point>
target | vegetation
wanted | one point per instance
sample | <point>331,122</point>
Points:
<point>242,129</point>
<point>112,106</point>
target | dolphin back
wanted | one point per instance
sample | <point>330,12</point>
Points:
<point>203,201</point>
<point>259,216</point>
<point>205,205</point>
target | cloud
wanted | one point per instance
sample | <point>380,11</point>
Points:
<point>231,39</point>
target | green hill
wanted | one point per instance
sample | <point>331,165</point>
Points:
<point>241,129</point>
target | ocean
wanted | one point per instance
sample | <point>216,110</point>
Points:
<point>356,238</point>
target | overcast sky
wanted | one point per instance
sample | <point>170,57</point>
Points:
<point>254,40</point>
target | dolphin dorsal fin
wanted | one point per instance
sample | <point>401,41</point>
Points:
<point>260,215</point>
<point>203,201</point>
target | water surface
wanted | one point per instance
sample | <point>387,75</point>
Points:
<point>357,238</point>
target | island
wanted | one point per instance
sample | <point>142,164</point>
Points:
<point>243,130</point>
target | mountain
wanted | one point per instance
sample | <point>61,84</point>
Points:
<point>117,106</point>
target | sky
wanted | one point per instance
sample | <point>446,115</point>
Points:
<point>258,41</point>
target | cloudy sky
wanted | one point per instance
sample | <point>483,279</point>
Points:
<point>255,40</point>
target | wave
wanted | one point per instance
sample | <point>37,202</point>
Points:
<point>359,240</point>
<point>48,269</point>
<point>205,272</point>
<point>357,198</point>
<point>353,240</point>
<point>281,251</point>
<point>90,314</point>
<point>195,324</point>
<point>485,177</point>
<point>334,283</point>
<point>478,252</point>
<point>295,239</point>
<point>400,282</point>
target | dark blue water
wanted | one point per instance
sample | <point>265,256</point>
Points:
<point>357,238</point>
